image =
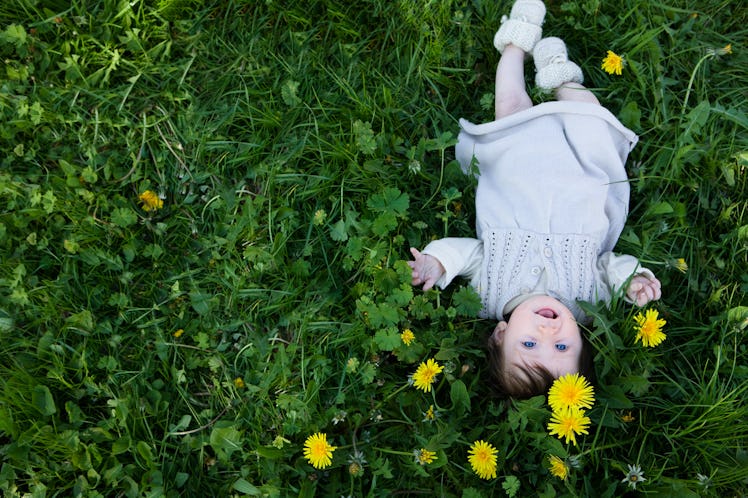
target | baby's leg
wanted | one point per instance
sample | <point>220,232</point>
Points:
<point>556,72</point>
<point>516,36</point>
<point>511,95</point>
<point>575,92</point>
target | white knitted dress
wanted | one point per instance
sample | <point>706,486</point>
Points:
<point>552,198</point>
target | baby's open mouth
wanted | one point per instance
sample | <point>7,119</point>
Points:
<point>547,313</point>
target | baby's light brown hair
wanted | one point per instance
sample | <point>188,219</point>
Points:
<point>536,379</point>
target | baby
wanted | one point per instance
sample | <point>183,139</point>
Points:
<point>551,202</point>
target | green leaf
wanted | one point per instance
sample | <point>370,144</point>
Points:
<point>245,487</point>
<point>487,101</point>
<point>630,236</point>
<point>400,296</point>
<point>368,372</point>
<point>82,321</point>
<point>614,396</point>
<point>380,316</point>
<point>121,445</point>
<point>472,493</point>
<point>200,302</point>
<point>181,478</point>
<point>697,118</point>
<point>288,93</point>
<point>410,354</point>
<point>458,393</point>
<point>387,339</point>
<point>14,34</point>
<point>421,308</point>
<point>381,467</point>
<point>36,113</point>
<point>269,452</point>
<point>384,224</point>
<point>124,217</point>
<point>89,175</point>
<point>183,423</point>
<point>467,301</point>
<point>48,201</point>
<point>390,200</point>
<point>43,401</point>
<point>510,485</point>
<point>225,441</point>
<point>635,384</point>
<point>365,141</point>
<point>146,452</point>
<point>386,280</point>
<point>660,208</point>
<point>338,232</point>
<point>6,321</point>
<point>631,115</point>
<point>738,314</point>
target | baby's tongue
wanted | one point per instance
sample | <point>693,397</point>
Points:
<point>546,313</point>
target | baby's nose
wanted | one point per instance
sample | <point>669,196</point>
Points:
<point>549,327</point>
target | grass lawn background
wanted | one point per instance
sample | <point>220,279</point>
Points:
<point>300,148</point>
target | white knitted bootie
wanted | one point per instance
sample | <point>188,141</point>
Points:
<point>553,65</point>
<point>523,27</point>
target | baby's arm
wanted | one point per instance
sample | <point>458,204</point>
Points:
<point>616,271</point>
<point>444,259</point>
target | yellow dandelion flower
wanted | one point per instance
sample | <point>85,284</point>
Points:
<point>424,456</point>
<point>649,328</point>
<point>482,458</point>
<point>318,451</point>
<point>558,467</point>
<point>726,50</point>
<point>566,424</point>
<point>681,265</point>
<point>429,415</point>
<point>628,417</point>
<point>407,337</point>
<point>613,63</point>
<point>239,383</point>
<point>570,390</point>
<point>151,201</point>
<point>178,333</point>
<point>426,375</point>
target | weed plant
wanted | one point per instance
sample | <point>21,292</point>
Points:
<point>298,149</point>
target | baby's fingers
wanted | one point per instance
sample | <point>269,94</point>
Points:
<point>643,297</point>
<point>647,294</point>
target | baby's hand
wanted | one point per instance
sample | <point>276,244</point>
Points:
<point>426,269</point>
<point>643,290</point>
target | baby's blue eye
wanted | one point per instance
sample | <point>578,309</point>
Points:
<point>561,347</point>
<point>529,344</point>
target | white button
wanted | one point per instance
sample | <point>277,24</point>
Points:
<point>547,251</point>
<point>535,270</point>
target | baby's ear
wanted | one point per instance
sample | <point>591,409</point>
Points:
<point>498,332</point>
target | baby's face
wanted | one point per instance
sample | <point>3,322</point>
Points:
<point>541,332</point>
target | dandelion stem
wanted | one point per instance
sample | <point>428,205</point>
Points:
<point>393,452</point>
<point>690,81</point>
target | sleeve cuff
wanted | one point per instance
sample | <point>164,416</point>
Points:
<point>458,256</point>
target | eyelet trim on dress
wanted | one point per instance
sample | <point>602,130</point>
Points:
<point>570,268</point>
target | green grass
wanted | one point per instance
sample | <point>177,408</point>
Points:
<point>300,149</point>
